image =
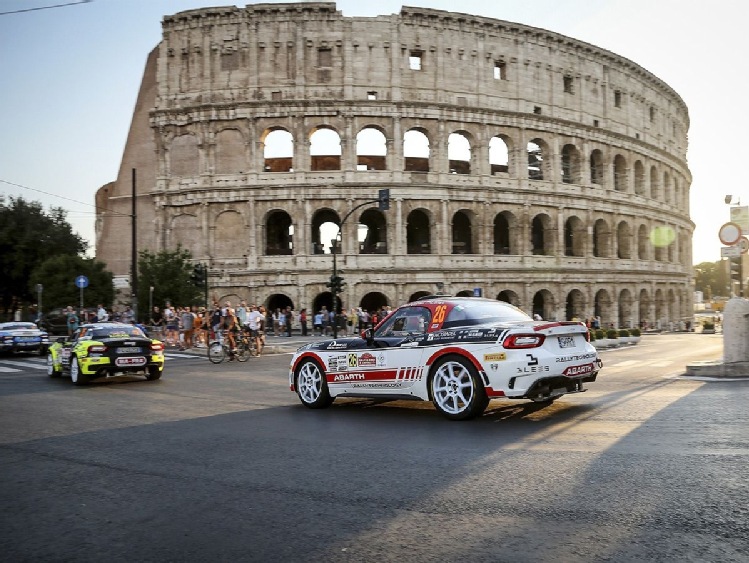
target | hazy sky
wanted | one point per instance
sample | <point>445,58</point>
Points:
<point>69,77</point>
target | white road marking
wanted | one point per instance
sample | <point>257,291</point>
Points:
<point>8,370</point>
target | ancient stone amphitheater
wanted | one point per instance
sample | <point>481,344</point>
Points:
<point>522,164</point>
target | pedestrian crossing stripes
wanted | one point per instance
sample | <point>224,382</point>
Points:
<point>40,363</point>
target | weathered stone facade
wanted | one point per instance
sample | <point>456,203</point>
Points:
<point>543,170</point>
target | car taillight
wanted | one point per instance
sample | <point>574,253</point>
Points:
<point>95,350</point>
<point>157,346</point>
<point>587,336</point>
<point>523,341</point>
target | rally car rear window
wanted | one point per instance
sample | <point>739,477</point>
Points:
<point>117,332</point>
<point>468,313</point>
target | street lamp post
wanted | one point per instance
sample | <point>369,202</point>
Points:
<point>336,281</point>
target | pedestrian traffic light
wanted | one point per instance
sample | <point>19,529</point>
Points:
<point>383,199</point>
<point>198,275</point>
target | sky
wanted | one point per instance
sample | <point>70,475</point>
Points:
<point>69,78</point>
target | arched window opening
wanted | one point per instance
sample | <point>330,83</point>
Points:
<point>574,237</point>
<point>540,235</point>
<point>596,167</point>
<point>570,164</point>
<point>324,231</point>
<point>374,302</point>
<point>278,151</point>
<point>459,153</point>
<point>416,151</point>
<point>462,234</point>
<point>602,307</point>
<point>624,241</point>
<point>499,156</point>
<point>625,309</point>
<point>639,178</point>
<point>601,239</point>
<point>418,236</point>
<point>644,310</point>
<point>502,243</point>
<point>279,301</point>
<point>543,305</point>
<point>509,297</point>
<point>325,150</point>
<point>666,187</point>
<point>575,306</point>
<point>371,149</point>
<point>535,160</point>
<point>654,187</point>
<point>372,232</point>
<point>643,243</point>
<point>620,173</point>
<point>279,234</point>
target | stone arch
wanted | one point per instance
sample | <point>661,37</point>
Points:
<point>625,303</point>
<point>660,309</point>
<point>505,233</point>
<point>639,178</point>
<point>371,148</point>
<point>654,185</point>
<point>416,151</point>
<point>575,305</point>
<point>509,296</point>
<point>464,293</point>
<point>322,299</point>
<point>499,155</point>
<point>372,232</point>
<point>544,304</point>
<point>373,301</point>
<point>185,232</point>
<point>602,307</point>
<point>596,167</point>
<point>601,239</point>
<point>575,235</point>
<point>643,243</point>
<point>621,176</point>
<point>231,157</point>
<point>666,187</point>
<point>570,164</point>
<point>278,301</point>
<point>542,236</point>
<point>418,232</point>
<point>184,156</point>
<point>279,233</point>
<point>418,295</point>
<point>459,152</point>
<point>278,150</point>
<point>324,227</point>
<point>230,230</point>
<point>537,151</point>
<point>324,149</point>
<point>624,240</point>
<point>644,309</point>
<point>462,233</point>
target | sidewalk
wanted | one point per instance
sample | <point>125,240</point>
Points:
<point>273,344</point>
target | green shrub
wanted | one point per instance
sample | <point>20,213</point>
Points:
<point>634,331</point>
<point>623,333</point>
<point>707,325</point>
<point>612,333</point>
<point>592,334</point>
<point>599,334</point>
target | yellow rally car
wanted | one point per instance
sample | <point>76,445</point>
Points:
<point>106,350</point>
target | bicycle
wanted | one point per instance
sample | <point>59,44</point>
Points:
<point>218,350</point>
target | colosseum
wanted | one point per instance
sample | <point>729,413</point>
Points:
<point>522,165</point>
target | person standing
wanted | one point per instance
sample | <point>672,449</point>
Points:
<point>289,318</point>
<point>303,321</point>
<point>101,314</point>
<point>242,313</point>
<point>72,321</point>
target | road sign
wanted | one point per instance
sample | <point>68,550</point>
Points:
<point>730,251</point>
<point>729,234</point>
<point>81,282</point>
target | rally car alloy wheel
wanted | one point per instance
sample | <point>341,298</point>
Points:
<point>311,385</point>
<point>78,377</point>
<point>456,389</point>
<point>51,370</point>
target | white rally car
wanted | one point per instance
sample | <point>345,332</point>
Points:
<point>458,352</point>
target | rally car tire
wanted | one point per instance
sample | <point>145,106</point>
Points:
<point>78,377</point>
<point>154,373</point>
<point>311,386</point>
<point>456,389</point>
<point>51,370</point>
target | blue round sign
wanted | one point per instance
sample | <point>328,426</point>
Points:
<point>81,281</point>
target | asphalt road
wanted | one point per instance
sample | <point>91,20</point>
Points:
<point>222,463</point>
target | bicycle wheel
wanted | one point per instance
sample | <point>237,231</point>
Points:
<point>216,352</point>
<point>243,351</point>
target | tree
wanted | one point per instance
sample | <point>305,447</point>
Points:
<point>171,274</point>
<point>29,236</point>
<point>711,278</point>
<point>57,275</point>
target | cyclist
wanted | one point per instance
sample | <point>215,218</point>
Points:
<point>232,328</point>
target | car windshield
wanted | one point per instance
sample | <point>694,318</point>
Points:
<point>18,326</point>
<point>469,312</point>
<point>117,332</point>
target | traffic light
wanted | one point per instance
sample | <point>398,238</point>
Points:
<point>198,275</point>
<point>383,199</point>
<point>336,284</point>
<point>735,269</point>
